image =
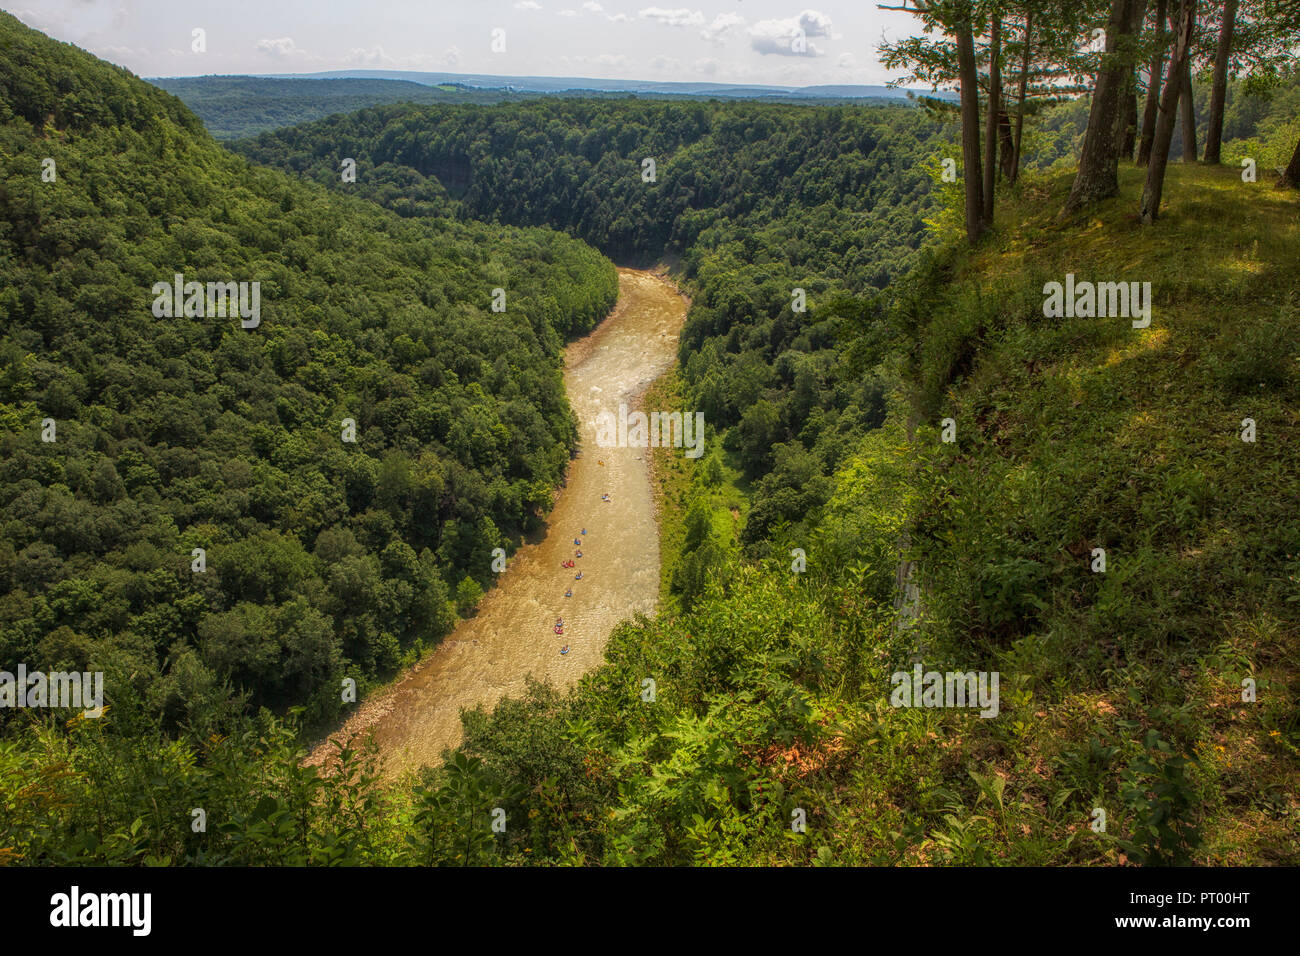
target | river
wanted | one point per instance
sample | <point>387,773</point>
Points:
<point>488,656</point>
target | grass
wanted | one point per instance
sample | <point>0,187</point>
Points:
<point>1084,433</point>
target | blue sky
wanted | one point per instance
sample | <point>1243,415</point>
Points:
<point>731,41</point>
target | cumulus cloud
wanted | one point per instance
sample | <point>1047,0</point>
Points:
<point>592,7</point>
<point>528,5</point>
<point>791,36</point>
<point>377,56</point>
<point>722,24</point>
<point>281,47</point>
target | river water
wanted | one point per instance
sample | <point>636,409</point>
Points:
<point>488,656</point>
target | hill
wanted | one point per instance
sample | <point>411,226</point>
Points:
<point>237,106</point>
<point>344,454</point>
<point>1158,690</point>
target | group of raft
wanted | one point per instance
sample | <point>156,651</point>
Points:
<point>570,563</point>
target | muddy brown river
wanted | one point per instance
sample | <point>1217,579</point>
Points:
<point>488,656</point>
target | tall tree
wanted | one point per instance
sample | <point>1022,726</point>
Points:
<point>1098,174</point>
<point>1155,184</point>
<point>1187,108</point>
<point>1219,91</point>
<point>1153,87</point>
<point>1126,117</point>
<point>949,59</point>
<point>1027,46</point>
<point>994,110</point>
<point>968,79</point>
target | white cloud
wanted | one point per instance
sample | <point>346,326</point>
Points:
<point>592,7</point>
<point>528,5</point>
<point>679,17</point>
<point>791,36</point>
<point>722,24</point>
<point>707,66</point>
<point>281,47</point>
<point>376,56</point>
<point>568,13</point>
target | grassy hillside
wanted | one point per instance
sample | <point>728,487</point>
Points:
<point>1119,690</point>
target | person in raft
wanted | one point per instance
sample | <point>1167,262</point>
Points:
<point>564,649</point>
<point>605,497</point>
<point>578,576</point>
<point>584,530</point>
<point>576,541</point>
<point>569,593</point>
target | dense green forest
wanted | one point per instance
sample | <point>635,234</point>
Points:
<point>1121,691</point>
<point>752,201</point>
<point>239,106</point>
<point>324,558</point>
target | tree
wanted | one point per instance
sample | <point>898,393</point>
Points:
<point>1219,90</point>
<point>1291,175</point>
<point>1153,87</point>
<point>468,595</point>
<point>994,113</point>
<point>1155,182</point>
<point>944,62</point>
<point>1187,110</point>
<point>970,123</point>
<point>1098,175</point>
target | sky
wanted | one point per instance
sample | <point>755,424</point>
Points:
<point>727,41</point>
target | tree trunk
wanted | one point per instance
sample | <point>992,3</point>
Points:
<point>1098,175</point>
<point>1153,88</point>
<point>968,82</point>
<point>1126,116</point>
<point>1006,145</point>
<point>1020,104</point>
<point>994,107</point>
<point>1291,178</point>
<point>1187,105</point>
<point>1214,134</point>
<point>1155,184</point>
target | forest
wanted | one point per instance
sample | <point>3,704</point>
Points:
<point>1113,153</point>
<point>323,556</point>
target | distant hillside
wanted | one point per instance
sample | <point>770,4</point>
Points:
<point>564,84</point>
<point>237,106</point>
